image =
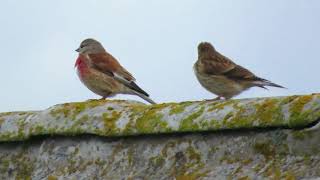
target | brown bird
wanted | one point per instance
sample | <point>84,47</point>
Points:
<point>103,74</point>
<point>221,76</point>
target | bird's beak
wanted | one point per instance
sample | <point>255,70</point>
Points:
<point>78,50</point>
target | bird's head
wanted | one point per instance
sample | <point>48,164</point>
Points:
<point>205,48</point>
<point>90,46</point>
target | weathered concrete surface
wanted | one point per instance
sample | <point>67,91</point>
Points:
<point>122,118</point>
<point>251,138</point>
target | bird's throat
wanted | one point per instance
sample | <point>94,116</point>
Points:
<point>78,62</point>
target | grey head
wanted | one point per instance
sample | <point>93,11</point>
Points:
<point>90,46</point>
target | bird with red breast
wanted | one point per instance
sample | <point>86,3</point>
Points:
<point>101,73</point>
<point>221,76</point>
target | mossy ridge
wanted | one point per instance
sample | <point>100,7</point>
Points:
<point>191,123</point>
<point>73,109</point>
<point>298,116</point>
<point>176,108</point>
<point>257,114</point>
<point>220,104</point>
<point>109,121</point>
<point>267,112</point>
<point>150,120</point>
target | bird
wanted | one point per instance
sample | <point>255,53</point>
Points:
<point>221,76</point>
<point>101,73</point>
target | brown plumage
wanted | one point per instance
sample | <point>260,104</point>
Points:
<point>221,76</point>
<point>103,74</point>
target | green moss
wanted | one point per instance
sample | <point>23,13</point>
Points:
<point>78,123</point>
<point>302,135</point>
<point>21,129</point>
<point>51,177</point>
<point>1,121</point>
<point>189,124</point>
<point>229,159</point>
<point>130,156</point>
<point>109,121</point>
<point>110,108</point>
<point>235,172</point>
<point>24,166</point>
<point>219,105</point>
<point>6,114</point>
<point>38,130</point>
<point>269,112</point>
<point>298,117</point>
<point>166,147</point>
<point>178,108</point>
<point>4,165</point>
<point>150,120</point>
<point>265,148</point>
<point>157,161</point>
<point>71,110</point>
<point>193,168</point>
<point>288,100</point>
<point>58,112</point>
<point>244,178</point>
<point>289,176</point>
<point>193,154</point>
<point>185,177</point>
<point>237,119</point>
<point>266,113</point>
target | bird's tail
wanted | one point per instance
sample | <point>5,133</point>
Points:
<point>146,98</point>
<point>263,82</point>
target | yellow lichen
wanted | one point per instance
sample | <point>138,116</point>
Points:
<point>265,148</point>
<point>189,123</point>
<point>297,116</point>
<point>219,105</point>
<point>51,177</point>
<point>110,120</point>
<point>186,177</point>
<point>151,120</point>
<point>269,112</point>
<point>178,108</point>
<point>1,121</point>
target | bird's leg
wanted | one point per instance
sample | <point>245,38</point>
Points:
<point>103,98</point>
<point>215,99</point>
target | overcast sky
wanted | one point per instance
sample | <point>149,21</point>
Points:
<point>156,41</point>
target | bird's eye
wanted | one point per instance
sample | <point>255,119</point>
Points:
<point>81,46</point>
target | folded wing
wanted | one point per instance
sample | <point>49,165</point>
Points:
<point>107,64</point>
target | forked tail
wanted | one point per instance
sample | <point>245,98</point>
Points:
<point>146,98</point>
<point>263,82</point>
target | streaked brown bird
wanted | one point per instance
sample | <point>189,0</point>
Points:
<point>221,76</point>
<point>103,74</point>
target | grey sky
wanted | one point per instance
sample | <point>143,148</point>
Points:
<point>156,41</point>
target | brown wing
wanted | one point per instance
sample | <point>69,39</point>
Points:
<point>108,64</point>
<point>217,64</point>
<point>241,73</point>
<point>221,65</point>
